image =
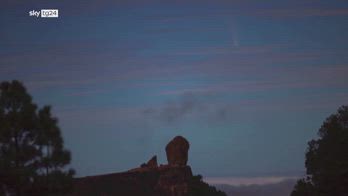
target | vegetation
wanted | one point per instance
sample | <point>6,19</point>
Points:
<point>32,156</point>
<point>327,159</point>
<point>199,188</point>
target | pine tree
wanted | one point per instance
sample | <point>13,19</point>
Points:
<point>50,178</point>
<point>32,157</point>
<point>327,159</point>
<point>17,136</point>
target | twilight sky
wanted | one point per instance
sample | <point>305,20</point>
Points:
<point>247,82</point>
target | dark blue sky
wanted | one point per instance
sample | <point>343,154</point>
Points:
<point>247,82</point>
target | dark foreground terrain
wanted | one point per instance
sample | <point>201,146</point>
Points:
<point>172,179</point>
<point>152,182</point>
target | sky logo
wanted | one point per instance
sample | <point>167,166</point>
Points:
<point>45,13</point>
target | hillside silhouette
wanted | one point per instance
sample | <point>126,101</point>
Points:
<point>172,179</point>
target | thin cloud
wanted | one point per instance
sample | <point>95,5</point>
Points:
<point>299,13</point>
<point>246,181</point>
<point>190,105</point>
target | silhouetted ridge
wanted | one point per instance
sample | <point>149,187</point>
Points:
<point>173,179</point>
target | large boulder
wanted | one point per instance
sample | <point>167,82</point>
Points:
<point>177,151</point>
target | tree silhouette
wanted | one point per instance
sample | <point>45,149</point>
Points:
<point>32,157</point>
<point>199,188</point>
<point>327,159</point>
<point>50,178</point>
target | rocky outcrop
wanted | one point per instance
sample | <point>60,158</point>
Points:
<point>174,181</point>
<point>177,151</point>
<point>152,163</point>
<point>147,180</point>
<point>163,181</point>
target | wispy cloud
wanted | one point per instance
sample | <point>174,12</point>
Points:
<point>301,12</point>
<point>190,105</point>
<point>238,181</point>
